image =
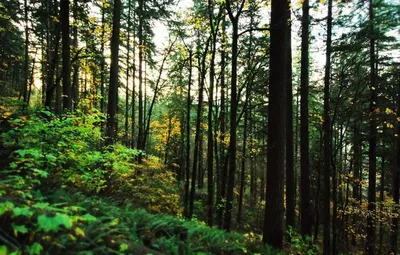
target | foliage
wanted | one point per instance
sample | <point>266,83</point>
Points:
<point>48,206</point>
<point>301,245</point>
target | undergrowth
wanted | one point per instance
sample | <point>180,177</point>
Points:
<point>62,193</point>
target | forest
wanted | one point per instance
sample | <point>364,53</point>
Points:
<point>199,127</point>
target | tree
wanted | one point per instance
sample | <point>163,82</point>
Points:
<point>112,121</point>
<point>233,114</point>
<point>66,62</point>
<point>290,174</point>
<point>372,139</point>
<point>305,203</point>
<point>273,220</point>
<point>327,133</point>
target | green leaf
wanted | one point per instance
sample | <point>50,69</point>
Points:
<point>41,173</point>
<point>123,247</point>
<point>3,250</point>
<point>89,217</point>
<point>6,206</point>
<point>53,223</point>
<point>24,211</point>
<point>50,157</point>
<point>41,205</point>
<point>35,249</point>
<point>19,229</point>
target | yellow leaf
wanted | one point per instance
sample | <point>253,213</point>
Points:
<point>79,232</point>
<point>388,111</point>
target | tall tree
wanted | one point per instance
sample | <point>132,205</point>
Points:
<point>112,121</point>
<point>273,220</point>
<point>396,183</point>
<point>372,138</point>
<point>188,106</point>
<point>128,44</point>
<point>290,175</point>
<point>232,143</point>
<point>327,134</point>
<point>75,77</point>
<point>305,203</point>
<point>26,58</point>
<point>66,62</point>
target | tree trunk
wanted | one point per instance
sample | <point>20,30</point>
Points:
<point>75,76</point>
<point>66,62</point>
<point>128,43</point>
<point>141,121</point>
<point>103,61</point>
<point>243,170</point>
<point>233,114</point>
<point>222,164</point>
<point>327,135</point>
<point>112,121</point>
<point>396,185</point>
<point>210,145</point>
<point>26,59</point>
<point>305,200</point>
<point>133,86</point>
<point>202,73</point>
<point>372,140</point>
<point>188,106</point>
<point>53,59</point>
<point>274,205</point>
<point>290,176</point>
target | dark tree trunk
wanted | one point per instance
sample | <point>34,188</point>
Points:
<point>53,58</point>
<point>112,121</point>
<point>233,114</point>
<point>290,176</point>
<point>103,60</point>
<point>66,62</point>
<point>222,164</point>
<point>141,121</point>
<point>305,203</point>
<point>372,140</point>
<point>75,76</point>
<point>188,106</point>
<point>128,44</point>
<point>382,196</point>
<point>210,145</point>
<point>202,73</point>
<point>318,197</point>
<point>243,170</point>
<point>200,175</point>
<point>274,205</point>
<point>26,58</point>
<point>133,87</point>
<point>396,185</point>
<point>327,135</point>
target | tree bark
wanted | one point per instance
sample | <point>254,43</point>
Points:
<point>128,44</point>
<point>112,121</point>
<point>372,140</point>
<point>290,176</point>
<point>26,59</point>
<point>75,76</point>
<point>233,114</point>
<point>305,199</point>
<point>274,205</point>
<point>202,73</point>
<point>327,135</point>
<point>188,106</point>
<point>66,62</point>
